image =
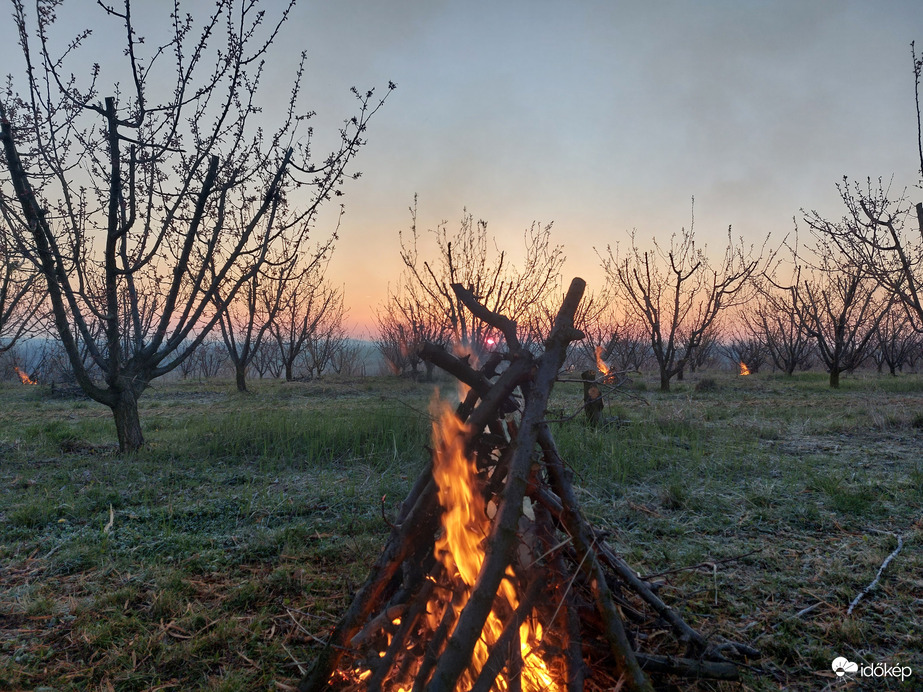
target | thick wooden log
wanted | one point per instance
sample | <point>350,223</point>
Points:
<point>481,387</point>
<point>593,404</point>
<point>502,540</point>
<point>569,620</point>
<point>459,368</point>
<point>486,411</point>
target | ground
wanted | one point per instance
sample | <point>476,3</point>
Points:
<point>218,556</point>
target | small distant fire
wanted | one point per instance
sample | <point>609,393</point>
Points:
<point>744,370</point>
<point>600,364</point>
<point>24,377</point>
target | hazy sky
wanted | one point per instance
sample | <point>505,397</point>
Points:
<point>603,117</point>
<point>609,116</point>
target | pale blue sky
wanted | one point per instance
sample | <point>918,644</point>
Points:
<point>602,116</point>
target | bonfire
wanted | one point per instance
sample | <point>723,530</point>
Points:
<point>492,579</point>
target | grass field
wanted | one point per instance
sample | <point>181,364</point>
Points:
<point>217,556</point>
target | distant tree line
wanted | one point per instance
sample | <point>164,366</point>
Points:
<point>669,309</point>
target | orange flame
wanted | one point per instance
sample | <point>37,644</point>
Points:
<point>460,549</point>
<point>24,377</point>
<point>600,364</point>
<point>461,552</point>
<point>744,370</point>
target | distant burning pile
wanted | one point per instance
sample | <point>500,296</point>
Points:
<point>24,377</point>
<point>744,370</point>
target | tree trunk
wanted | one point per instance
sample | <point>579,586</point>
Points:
<point>127,422</point>
<point>835,379</point>
<point>288,371</point>
<point>664,381</point>
<point>593,403</point>
<point>240,376</point>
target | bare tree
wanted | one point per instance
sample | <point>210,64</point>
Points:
<point>267,360</point>
<point>629,346</point>
<point>465,258</point>
<point>623,343</point>
<point>210,357</point>
<point>895,340</point>
<point>840,306</point>
<point>328,337</point>
<point>348,360</point>
<point>188,366</point>
<point>676,294</point>
<point>141,205</point>
<point>777,323</point>
<point>403,324</point>
<point>702,351</point>
<point>914,352</point>
<point>246,319</point>
<point>306,305</point>
<point>243,325</point>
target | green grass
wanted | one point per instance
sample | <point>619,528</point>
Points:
<point>241,529</point>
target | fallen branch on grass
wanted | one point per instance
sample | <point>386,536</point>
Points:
<point>855,601</point>
<point>711,564</point>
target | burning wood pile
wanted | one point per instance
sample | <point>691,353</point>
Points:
<point>492,579</point>
<point>24,377</point>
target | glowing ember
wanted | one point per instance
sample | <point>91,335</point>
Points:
<point>600,365</point>
<point>24,377</point>
<point>744,370</point>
